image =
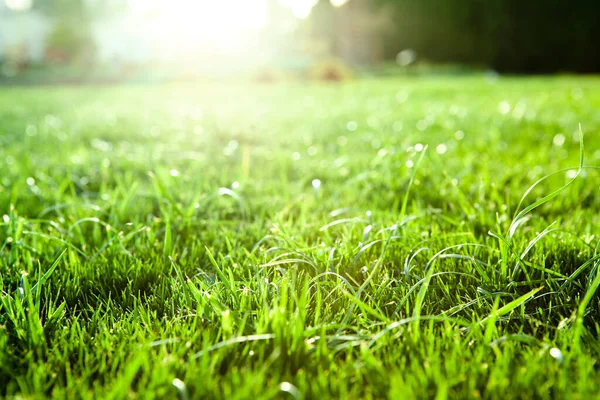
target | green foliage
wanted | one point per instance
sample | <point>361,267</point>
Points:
<point>79,8</point>
<point>400,238</point>
<point>70,39</point>
<point>509,35</point>
<point>330,70</point>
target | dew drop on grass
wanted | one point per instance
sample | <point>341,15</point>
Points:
<point>174,173</point>
<point>30,181</point>
<point>180,386</point>
<point>422,125</point>
<point>52,121</point>
<point>235,185</point>
<point>296,156</point>
<point>571,174</point>
<point>316,184</point>
<point>312,150</point>
<point>351,126</point>
<point>419,147</point>
<point>410,164</point>
<point>441,148</point>
<point>519,110</point>
<point>397,126</point>
<point>367,232</point>
<point>101,145</point>
<point>31,130</point>
<point>558,140</point>
<point>504,107</point>
<point>6,219</point>
<point>291,389</point>
<point>231,147</point>
<point>459,135</point>
<point>557,354</point>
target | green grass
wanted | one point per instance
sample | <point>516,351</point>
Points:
<point>364,240</point>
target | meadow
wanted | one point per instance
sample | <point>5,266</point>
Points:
<point>425,237</point>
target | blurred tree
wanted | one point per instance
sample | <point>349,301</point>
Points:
<point>353,31</point>
<point>71,37</point>
<point>80,8</point>
<point>509,35</point>
<point>69,41</point>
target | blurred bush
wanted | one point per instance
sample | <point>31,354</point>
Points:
<point>269,74</point>
<point>330,70</point>
<point>508,35</point>
<point>15,60</point>
<point>70,41</point>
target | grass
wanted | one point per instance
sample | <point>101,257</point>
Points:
<point>364,240</point>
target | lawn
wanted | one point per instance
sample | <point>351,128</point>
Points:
<point>362,240</point>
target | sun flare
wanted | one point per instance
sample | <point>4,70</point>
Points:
<point>222,24</point>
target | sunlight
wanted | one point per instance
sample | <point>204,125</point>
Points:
<point>185,23</point>
<point>188,30</point>
<point>224,25</point>
<point>208,15</point>
<point>339,3</point>
<point>300,8</point>
<point>18,5</point>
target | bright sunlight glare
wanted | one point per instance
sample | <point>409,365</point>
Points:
<point>179,27</point>
<point>209,15</point>
<point>339,3</point>
<point>300,8</point>
<point>185,24</point>
<point>18,5</point>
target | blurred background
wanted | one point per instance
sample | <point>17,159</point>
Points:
<point>73,41</point>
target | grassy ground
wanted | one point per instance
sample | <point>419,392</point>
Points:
<point>364,240</point>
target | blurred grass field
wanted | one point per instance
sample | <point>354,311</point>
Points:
<point>357,240</point>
